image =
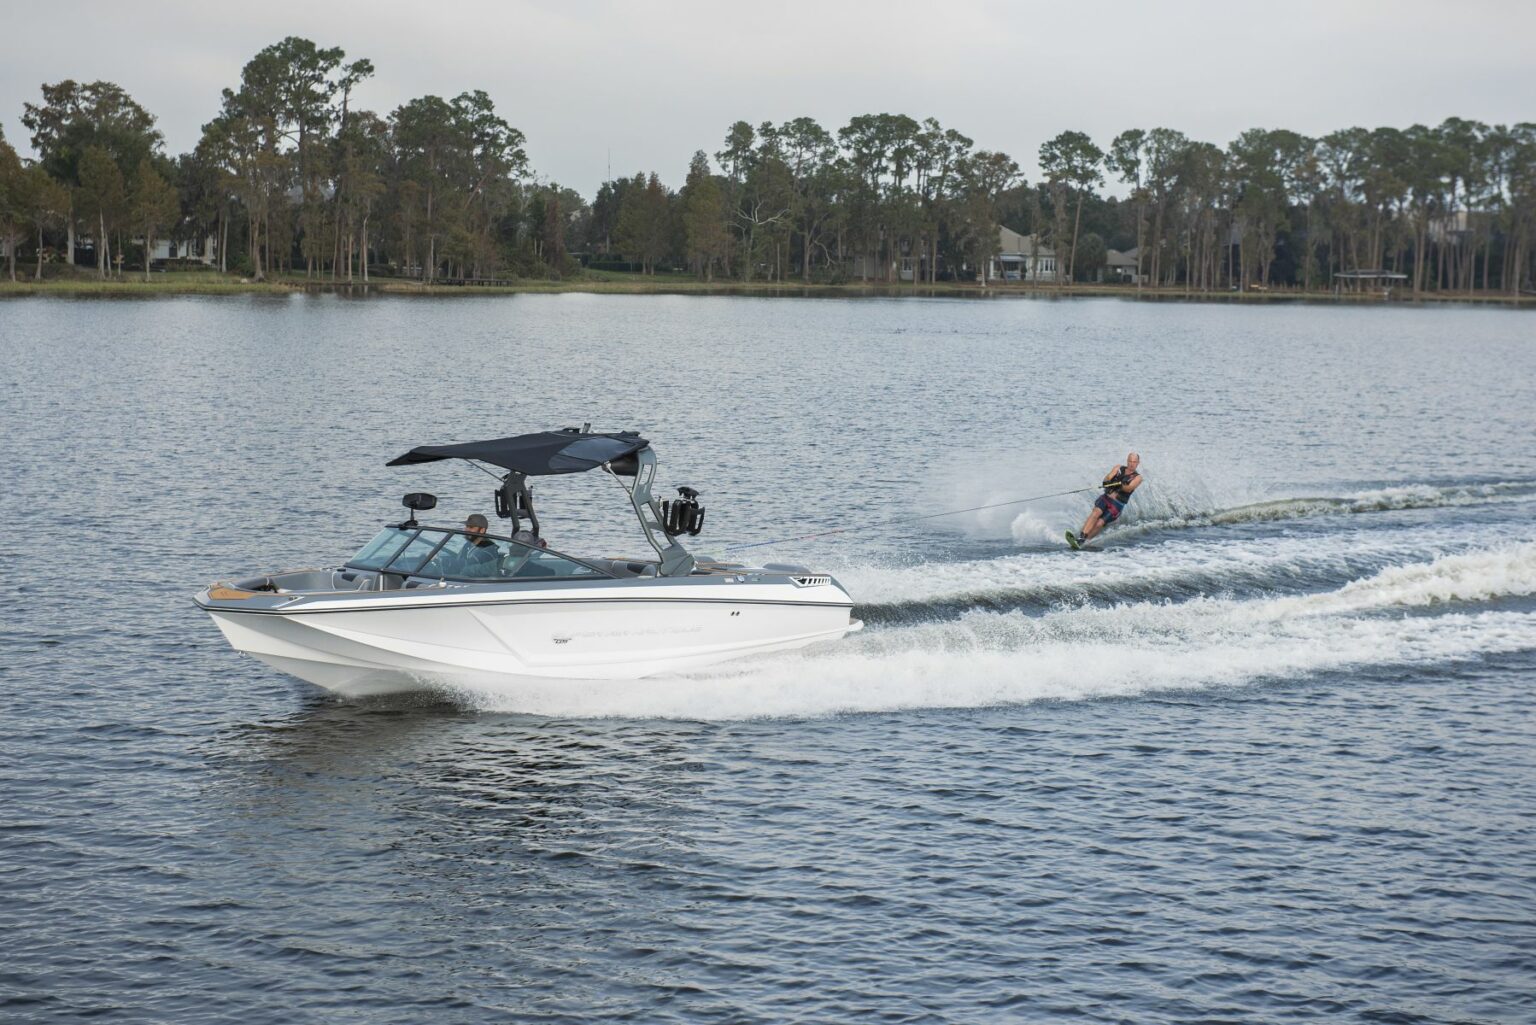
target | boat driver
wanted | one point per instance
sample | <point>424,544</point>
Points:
<point>478,556</point>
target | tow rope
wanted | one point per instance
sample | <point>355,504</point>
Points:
<point>910,519</point>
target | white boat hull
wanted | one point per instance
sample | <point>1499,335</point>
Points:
<point>363,647</point>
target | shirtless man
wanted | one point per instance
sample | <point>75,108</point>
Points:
<point>1119,483</point>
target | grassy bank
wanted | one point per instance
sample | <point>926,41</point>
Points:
<point>211,283</point>
<point>611,283</point>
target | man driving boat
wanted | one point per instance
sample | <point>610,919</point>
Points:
<point>478,556</point>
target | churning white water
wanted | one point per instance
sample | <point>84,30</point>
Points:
<point>984,657</point>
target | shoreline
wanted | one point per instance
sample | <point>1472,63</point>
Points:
<point>666,285</point>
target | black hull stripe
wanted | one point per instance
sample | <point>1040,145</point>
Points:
<point>532,601</point>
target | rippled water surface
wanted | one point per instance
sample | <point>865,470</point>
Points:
<point>1269,755</point>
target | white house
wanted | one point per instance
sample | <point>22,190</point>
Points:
<point>1123,267</point>
<point>204,250</point>
<point>1450,227</point>
<point>1022,258</point>
<point>1019,258</point>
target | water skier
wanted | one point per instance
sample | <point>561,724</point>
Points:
<point>1119,483</point>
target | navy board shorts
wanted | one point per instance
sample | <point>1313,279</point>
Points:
<point>1109,507</point>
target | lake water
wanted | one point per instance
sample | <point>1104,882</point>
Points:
<point>1270,755</point>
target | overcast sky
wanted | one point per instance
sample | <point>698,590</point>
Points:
<point>649,83</point>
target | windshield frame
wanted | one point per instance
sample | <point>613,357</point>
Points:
<point>450,532</point>
<point>401,533</point>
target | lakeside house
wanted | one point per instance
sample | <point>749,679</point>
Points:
<point>1022,257</point>
<point>1449,227</point>
<point>204,251</point>
<point>869,267</point>
<point>874,268</point>
<point>1019,257</point>
<point>1123,268</point>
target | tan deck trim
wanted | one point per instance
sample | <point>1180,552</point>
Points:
<point>221,593</point>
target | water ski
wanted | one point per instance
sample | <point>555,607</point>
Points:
<point>1089,544</point>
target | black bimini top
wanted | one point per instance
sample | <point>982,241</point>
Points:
<point>564,451</point>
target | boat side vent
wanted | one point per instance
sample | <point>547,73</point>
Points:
<point>811,581</point>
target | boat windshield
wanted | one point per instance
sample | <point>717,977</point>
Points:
<point>377,553</point>
<point>435,552</point>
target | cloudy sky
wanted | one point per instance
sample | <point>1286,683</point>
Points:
<point>648,83</point>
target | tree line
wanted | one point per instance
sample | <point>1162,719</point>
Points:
<point>290,177</point>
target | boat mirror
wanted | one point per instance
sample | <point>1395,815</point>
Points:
<point>419,501</point>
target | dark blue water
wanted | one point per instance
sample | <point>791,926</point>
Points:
<point>1270,755</point>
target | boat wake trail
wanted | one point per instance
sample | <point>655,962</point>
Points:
<point>1155,510</point>
<point>1450,608</point>
<point>1179,568</point>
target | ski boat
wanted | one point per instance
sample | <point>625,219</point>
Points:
<point>421,607</point>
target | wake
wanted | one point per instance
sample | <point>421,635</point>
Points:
<point>984,658</point>
<point>1178,568</point>
<point>1159,510</point>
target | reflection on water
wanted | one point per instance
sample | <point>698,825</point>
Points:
<point>491,787</point>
